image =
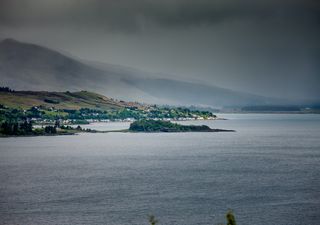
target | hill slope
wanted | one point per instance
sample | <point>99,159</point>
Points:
<point>59,100</point>
<point>32,67</point>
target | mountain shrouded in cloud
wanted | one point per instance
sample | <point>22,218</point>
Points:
<point>269,48</point>
<point>32,67</point>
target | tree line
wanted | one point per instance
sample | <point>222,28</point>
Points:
<point>25,128</point>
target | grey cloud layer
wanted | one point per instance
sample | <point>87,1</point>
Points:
<point>144,14</point>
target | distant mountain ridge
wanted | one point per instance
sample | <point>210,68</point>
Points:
<point>32,67</point>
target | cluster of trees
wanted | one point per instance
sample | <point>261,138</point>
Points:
<point>24,128</point>
<point>164,126</point>
<point>135,113</point>
<point>78,128</point>
<point>85,113</point>
<point>52,101</point>
<point>12,114</point>
<point>179,112</point>
<point>16,128</point>
<point>6,89</point>
<point>50,129</point>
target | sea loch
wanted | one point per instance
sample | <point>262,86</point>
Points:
<point>267,172</point>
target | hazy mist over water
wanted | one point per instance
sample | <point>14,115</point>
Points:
<point>267,172</point>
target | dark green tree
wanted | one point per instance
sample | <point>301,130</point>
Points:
<point>50,130</point>
<point>230,218</point>
<point>152,220</point>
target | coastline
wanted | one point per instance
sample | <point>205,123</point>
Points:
<point>75,131</point>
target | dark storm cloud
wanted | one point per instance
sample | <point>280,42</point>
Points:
<point>139,15</point>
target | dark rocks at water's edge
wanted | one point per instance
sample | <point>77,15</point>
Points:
<point>167,126</point>
<point>222,130</point>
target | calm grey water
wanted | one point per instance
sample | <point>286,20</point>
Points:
<point>268,172</point>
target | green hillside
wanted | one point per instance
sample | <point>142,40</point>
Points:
<point>82,107</point>
<point>58,100</point>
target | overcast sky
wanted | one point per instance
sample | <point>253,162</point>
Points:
<point>267,47</point>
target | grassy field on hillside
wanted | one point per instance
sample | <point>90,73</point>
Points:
<point>58,100</point>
